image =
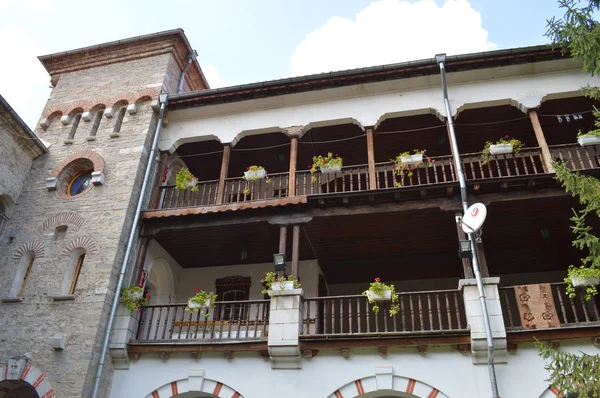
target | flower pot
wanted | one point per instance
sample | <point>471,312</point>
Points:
<point>581,281</point>
<point>372,296</point>
<point>252,175</point>
<point>194,304</point>
<point>501,149</point>
<point>288,285</point>
<point>192,183</point>
<point>584,140</point>
<point>330,168</point>
<point>412,159</point>
<point>135,294</point>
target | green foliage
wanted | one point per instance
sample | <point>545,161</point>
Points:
<point>406,169</point>
<point>581,272</point>
<point>329,160</point>
<point>247,190</point>
<point>570,372</point>
<point>200,297</point>
<point>516,147</point>
<point>378,288</point>
<point>271,277</point>
<point>183,179</point>
<point>132,297</point>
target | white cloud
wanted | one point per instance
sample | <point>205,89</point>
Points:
<point>212,75</point>
<point>389,31</point>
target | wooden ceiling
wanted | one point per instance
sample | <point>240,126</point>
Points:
<point>565,132</point>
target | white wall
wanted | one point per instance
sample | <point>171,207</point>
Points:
<point>163,273</point>
<point>443,368</point>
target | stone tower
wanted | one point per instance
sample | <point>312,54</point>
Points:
<point>74,214</point>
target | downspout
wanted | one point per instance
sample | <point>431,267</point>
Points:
<point>441,59</point>
<point>191,57</point>
<point>132,235</point>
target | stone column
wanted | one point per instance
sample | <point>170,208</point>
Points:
<point>124,329</point>
<point>474,313</point>
<point>285,325</point>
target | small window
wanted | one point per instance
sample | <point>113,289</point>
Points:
<point>233,288</point>
<point>23,271</point>
<point>80,184</point>
<point>73,271</point>
<point>76,274</point>
<point>60,232</point>
<point>27,272</point>
<point>3,215</point>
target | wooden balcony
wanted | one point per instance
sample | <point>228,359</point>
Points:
<point>526,164</point>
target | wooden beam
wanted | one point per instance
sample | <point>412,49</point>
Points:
<point>485,273</point>
<point>293,166</point>
<point>282,238</point>
<point>565,333</point>
<point>466,262</point>
<point>541,140</point>
<point>223,175</point>
<point>190,346</point>
<point>371,159</point>
<point>409,341</point>
<point>157,180</point>
<point>295,250</point>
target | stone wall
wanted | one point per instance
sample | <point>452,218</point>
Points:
<point>99,220</point>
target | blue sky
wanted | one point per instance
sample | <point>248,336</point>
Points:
<point>242,41</point>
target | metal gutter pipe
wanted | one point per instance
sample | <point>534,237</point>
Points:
<point>191,57</point>
<point>441,59</point>
<point>132,235</point>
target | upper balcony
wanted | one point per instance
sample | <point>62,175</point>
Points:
<point>368,173</point>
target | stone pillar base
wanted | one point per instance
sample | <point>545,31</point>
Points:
<point>285,323</point>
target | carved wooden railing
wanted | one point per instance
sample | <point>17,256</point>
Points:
<point>348,179</point>
<point>527,162</point>
<point>239,190</point>
<point>571,312</point>
<point>426,312</point>
<point>237,320</point>
<point>171,198</point>
<point>427,173</point>
<point>577,157</point>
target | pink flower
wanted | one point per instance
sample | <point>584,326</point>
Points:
<point>137,310</point>
<point>336,155</point>
<point>378,279</point>
<point>506,136</point>
<point>247,168</point>
<point>197,289</point>
<point>148,295</point>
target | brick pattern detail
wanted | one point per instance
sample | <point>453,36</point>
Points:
<point>236,395</point>
<point>433,394</point>
<point>217,389</point>
<point>410,388</point>
<point>25,372</point>
<point>92,156</point>
<point>70,219</point>
<point>81,242</point>
<point>39,380</point>
<point>175,388</point>
<point>36,247</point>
<point>357,388</point>
<point>49,394</point>
<point>155,394</point>
<point>338,394</point>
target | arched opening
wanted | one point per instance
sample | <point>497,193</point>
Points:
<point>5,212</point>
<point>23,272</point>
<point>17,389</point>
<point>73,271</point>
<point>160,283</point>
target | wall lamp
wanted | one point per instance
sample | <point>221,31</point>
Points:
<point>464,249</point>
<point>279,262</point>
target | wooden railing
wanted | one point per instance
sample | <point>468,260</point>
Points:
<point>348,179</point>
<point>419,313</point>
<point>440,171</point>
<point>577,157</point>
<point>571,312</point>
<point>237,320</point>
<point>239,190</point>
<point>171,198</point>
<point>527,162</point>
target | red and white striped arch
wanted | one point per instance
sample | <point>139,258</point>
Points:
<point>33,376</point>
<point>209,386</point>
<point>411,387</point>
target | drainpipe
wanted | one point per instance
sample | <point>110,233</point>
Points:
<point>191,57</point>
<point>441,59</point>
<point>132,235</point>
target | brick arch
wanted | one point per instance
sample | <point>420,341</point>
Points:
<point>33,376</point>
<point>551,392</point>
<point>86,154</point>
<point>35,246</point>
<point>80,242</point>
<point>70,219</point>
<point>410,387</point>
<point>208,386</point>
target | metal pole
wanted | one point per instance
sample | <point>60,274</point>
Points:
<point>132,235</point>
<point>463,195</point>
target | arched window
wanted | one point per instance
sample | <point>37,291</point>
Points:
<point>118,122</point>
<point>73,271</point>
<point>3,215</point>
<point>97,121</point>
<point>74,126</point>
<point>23,272</point>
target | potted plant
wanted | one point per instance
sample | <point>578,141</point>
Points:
<point>133,298</point>
<point>272,282</point>
<point>254,173</point>
<point>200,300</point>
<point>327,164</point>
<point>185,180</point>
<point>580,277</point>
<point>379,291</point>
<point>503,146</point>
<point>592,137</point>
<point>406,163</point>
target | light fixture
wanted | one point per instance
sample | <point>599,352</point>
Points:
<point>464,249</point>
<point>279,262</point>
<point>244,255</point>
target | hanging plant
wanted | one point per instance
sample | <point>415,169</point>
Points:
<point>185,180</point>
<point>406,163</point>
<point>592,137</point>
<point>201,300</point>
<point>254,173</point>
<point>133,298</point>
<point>504,145</point>
<point>580,277</point>
<point>379,291</point>
<point>327,164</point>
<point>272,282</point>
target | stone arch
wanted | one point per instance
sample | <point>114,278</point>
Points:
<point>551,392</point>
<point>488,104</point>
<point>195,383</point>
<point>45,122</point>
<point>36,247</point>
<point>248,133</point>
<point>82,242</point>
<point>161,282</point>
<point>413,112</point>
<point>327,123</point>
<point>387,382</point>
<point>31,375</point>
<point>92,156</point>
<point>69,219</point>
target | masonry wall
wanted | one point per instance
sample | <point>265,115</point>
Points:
<point>99,220</point>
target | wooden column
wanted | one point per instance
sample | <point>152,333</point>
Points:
<point>293,166</point>
<point>541,140</point>
<point>483,268</point>
<point>295,250</point>
<point>141,257</point>
<point>371,159</point>
<point>223,175</point>
<point>156,182</point>
<point>282,242</point>
<point>466,262</point>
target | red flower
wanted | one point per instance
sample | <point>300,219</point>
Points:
<point>137,309</point>
<point>176,171</point>
<point>429,160</point>
<point>247,168</point>
<point>197,289</point>
<point>378,279</point>
<point>148,295</point>
<point>506,136</point>
<point>324,160</point>
<point>412,169</point>
<point>310,167</point>
<point>140,285</point>
<point>336,155</point>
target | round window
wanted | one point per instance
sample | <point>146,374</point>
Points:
<point>80,184</point>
